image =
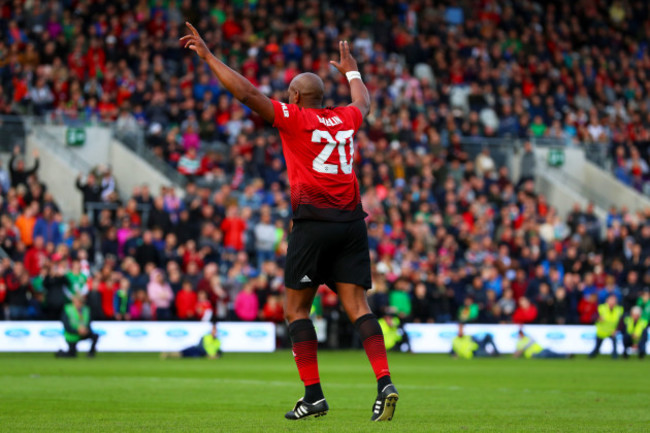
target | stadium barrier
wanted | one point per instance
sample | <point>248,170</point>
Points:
<point>36,336</point>
<point>577,339</point>
<point>43,336</point>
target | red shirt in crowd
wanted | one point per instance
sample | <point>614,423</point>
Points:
<point>588,311</point>
<point>186,304</point>
<point>233,232</point>
<point>525,315</point>
<point>107,291</point>
<point>34,260</point>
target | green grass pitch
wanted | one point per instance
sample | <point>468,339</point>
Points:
<point>251,392</point>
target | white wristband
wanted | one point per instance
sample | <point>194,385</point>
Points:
<point>352,75</point>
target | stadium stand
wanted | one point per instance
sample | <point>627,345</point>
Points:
<point>453,235</point>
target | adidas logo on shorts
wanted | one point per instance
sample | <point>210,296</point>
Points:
<point>305,279</point>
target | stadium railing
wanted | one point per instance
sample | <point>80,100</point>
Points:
<point>134,139</point>
<point>13,131</point>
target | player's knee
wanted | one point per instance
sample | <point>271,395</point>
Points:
<point>291,315</point>
<point>356,310</point>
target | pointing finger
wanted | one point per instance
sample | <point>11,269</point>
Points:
<point>341,49</point>
<point>192,29</point>
<point>347,48</point>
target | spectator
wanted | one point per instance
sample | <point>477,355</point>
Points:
<point>525,313</point>
<point>233,227</point>
<point>273,311</point>
<point>5,180</point>
<point>26,222</point>
<point>19,292</point>
<point>77,281</point>
<point>55,284</point>
<point>246,304</point>
<point>527,169</point>
<point>122,300</point>
<point>265,238</point>
<point>47,227</point>
<point>186,302</point>
<point>421,306</point>
<point>141,308</point>
<point>91,191</point>
<point>36,257</point>
<point>399,299</point>
<point>147,252</point>
<point>160,294</point>
<point>20,174</point>
<point>204,311</point>
<point>468,313</point>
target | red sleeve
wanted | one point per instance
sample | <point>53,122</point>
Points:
<point>353,114</point>
<point>357,117</point>
<point>285,114</point>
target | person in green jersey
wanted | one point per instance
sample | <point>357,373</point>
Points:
<point>209,346</point>
<point>529,348</point>
<point>76,327</point>
<point>77,281</point>
<point>644,303</point>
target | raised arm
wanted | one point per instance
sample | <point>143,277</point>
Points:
<point>240,87</point>
<point>358,90</point>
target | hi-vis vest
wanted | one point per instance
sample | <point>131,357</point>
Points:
<point>75,320</point>
<point>464,346</point>
<point>635,329</point>
<point>528,347</point>
<point>210,344</point>
<point>391,333</point>
<point>607,320</point>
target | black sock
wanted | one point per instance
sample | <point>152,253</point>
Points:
<point>313,393</point>
<point>383,382</point>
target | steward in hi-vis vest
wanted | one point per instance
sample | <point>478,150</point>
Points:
<point>607,324</point>
<point>209,346</point>
<point>465,346</point>
<point>76,327</point>
<point>529,348</point>
<point>635,332</point>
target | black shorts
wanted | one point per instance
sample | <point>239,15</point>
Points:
<point>327,252</point>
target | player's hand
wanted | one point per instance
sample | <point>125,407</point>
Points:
<point>347,62</point>
<point>195,42</point>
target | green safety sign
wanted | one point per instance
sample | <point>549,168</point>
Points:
<point>75,136</point>
<point>556,157</point>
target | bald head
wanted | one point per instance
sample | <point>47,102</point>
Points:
<point>307,90</point>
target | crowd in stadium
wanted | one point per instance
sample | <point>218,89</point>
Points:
<point>453,236</point>
<point>436,70</point>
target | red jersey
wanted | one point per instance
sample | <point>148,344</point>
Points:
<point>318,146</point>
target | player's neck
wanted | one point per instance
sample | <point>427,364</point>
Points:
<point>310,104</point>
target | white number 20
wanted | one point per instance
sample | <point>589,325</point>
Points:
<point>341,139</point>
